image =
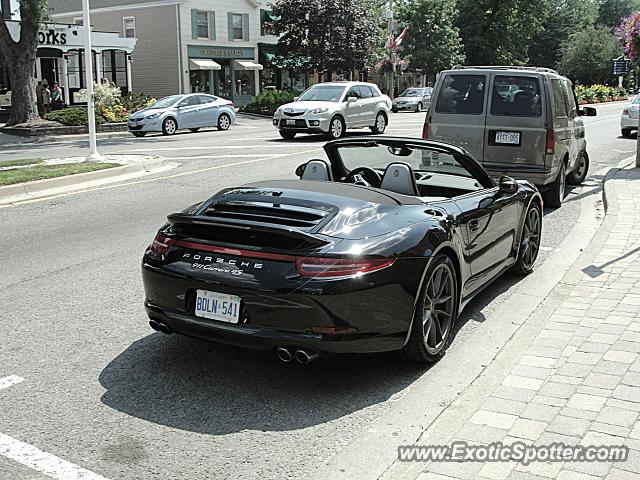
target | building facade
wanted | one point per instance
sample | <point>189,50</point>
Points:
<point>221,47</point>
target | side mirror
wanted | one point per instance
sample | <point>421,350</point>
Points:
<point>508,185</point>
<point>352,99</point>
<point>300,169</point>
<point>587,112</point>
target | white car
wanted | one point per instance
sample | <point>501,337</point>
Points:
<point>332,108</point>
<point>629,117</point>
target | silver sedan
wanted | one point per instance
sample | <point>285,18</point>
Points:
<point>629,117</point>
<point>192,111</point>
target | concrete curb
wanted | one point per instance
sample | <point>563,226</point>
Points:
<point>435,404</point>
<point>63,130</point>
<point>38,186</point>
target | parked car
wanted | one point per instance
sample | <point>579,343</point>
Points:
<point>518,121</point>
<point>415,99</point>
<point>629,117</point>
<point>332,108</point>
<point>370,252</point>
<point>193,111</point>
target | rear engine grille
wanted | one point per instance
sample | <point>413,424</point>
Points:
<point>288,215</point>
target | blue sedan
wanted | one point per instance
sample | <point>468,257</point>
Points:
<point>192,111</point>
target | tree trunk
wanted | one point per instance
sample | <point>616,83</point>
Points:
<point>23,93</point>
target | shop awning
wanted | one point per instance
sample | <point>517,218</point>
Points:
<point>247,65</point>
<point>204,64</point>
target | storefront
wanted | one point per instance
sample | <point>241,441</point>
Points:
<point>228,72</point>
<point>60,59</point>
<point>282,73</point>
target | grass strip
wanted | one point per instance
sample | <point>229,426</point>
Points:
<point>41,172</point>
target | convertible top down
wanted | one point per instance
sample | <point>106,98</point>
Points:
<point>377,249</point>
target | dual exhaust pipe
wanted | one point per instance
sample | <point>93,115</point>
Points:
<point>160,327</point>
<point>302,356</point>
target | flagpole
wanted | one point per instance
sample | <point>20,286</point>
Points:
<point>93,156</point>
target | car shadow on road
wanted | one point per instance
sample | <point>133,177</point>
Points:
<point>193,385</point>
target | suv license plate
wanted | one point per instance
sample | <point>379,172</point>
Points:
<point>509,138</point>
<point>217,306</point>
<point>291,123</point>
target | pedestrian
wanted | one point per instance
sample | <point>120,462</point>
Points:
<point>40,98</point>
<point>46,97</point>
<point>56,97</point>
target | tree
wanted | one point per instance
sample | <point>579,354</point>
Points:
<point>20,57</point>
<point>332,35</point>
<point>610,12</point>
<point>564,18</point>
<point>498,32</point>
<point>433,41</point>
<point>588,55</point>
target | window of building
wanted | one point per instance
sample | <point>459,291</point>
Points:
<point>129,27</point>
<point>237,30</point>
<point>202,22</point>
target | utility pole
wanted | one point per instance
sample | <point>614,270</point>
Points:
<point>88,59</point>
<point>390,27</point>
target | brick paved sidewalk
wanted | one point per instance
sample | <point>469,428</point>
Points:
<point>578,381</point>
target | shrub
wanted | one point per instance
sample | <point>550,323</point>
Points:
<point>74,116</point>
<point>268,101</point>
<point>114,113</point>
<point>599,93</point>
<point>136,101</point>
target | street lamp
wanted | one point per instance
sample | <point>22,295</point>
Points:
<point>93,156</point>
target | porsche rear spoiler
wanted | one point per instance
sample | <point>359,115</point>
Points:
<point>245,233</point>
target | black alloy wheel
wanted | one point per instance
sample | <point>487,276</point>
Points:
<point>582,169</point>
<point>436,313</point>
<point>530,240</point>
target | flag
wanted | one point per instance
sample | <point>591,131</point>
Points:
<point>396,43</point>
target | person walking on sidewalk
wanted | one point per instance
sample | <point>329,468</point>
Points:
<point>46,97</point>
<point>56,97</point>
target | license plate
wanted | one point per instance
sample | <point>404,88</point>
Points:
<point>291,123</point>
<point>217,306</point>
<point>509,138</point>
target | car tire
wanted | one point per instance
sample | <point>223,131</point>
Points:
<point>194,130</point>
<point>428,347</point>
<point>419,107</point>
<point>530,238</point>
<point>138,134</point>
<point>554,196</point>
<point>626,132</point>
<point>381,124</point>
<point>336,128</point>
<point>169,126</point>
<point>580,172</point>
<point>224,121</point>
<point>287,135</point>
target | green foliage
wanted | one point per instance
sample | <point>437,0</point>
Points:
<point>73,116</point>
<point>136,101</point>
<point>498,32</point>
<point>610,12</point>
<point>599,93</point>
<point>564,18</point>
<point>587,55</point>
<point>268,101</point>
<point>432,42</point>
<point>333,35</point>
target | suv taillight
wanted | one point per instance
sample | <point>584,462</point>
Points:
<point>161,244</point>
<point>324,267</point>
<point>551,142</point>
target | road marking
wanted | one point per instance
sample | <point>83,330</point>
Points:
<point>157,179</point>
<point>43,462</point>
<point>6,382</point>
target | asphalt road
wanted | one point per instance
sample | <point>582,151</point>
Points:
<point>103,391</point>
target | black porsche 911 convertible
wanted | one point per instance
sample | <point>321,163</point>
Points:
<point>376,250</point>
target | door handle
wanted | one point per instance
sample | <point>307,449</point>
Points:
<point>474,224</point>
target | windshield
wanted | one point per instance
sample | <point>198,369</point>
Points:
<point>636,100</point>
<point>421,159</point>
<point>412,92</point>
<point>326,93</point>
<point>165,102</point>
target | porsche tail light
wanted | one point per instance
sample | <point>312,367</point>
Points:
<point>551,142</point>
<point>324,267</point>
<point>425,130</point>
<point>161,244</point>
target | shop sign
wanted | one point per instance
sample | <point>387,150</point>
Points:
<point>214,52</point>
<point>52,36</point>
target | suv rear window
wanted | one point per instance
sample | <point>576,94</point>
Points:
<point>516,96</point>
<point>462,94</point>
